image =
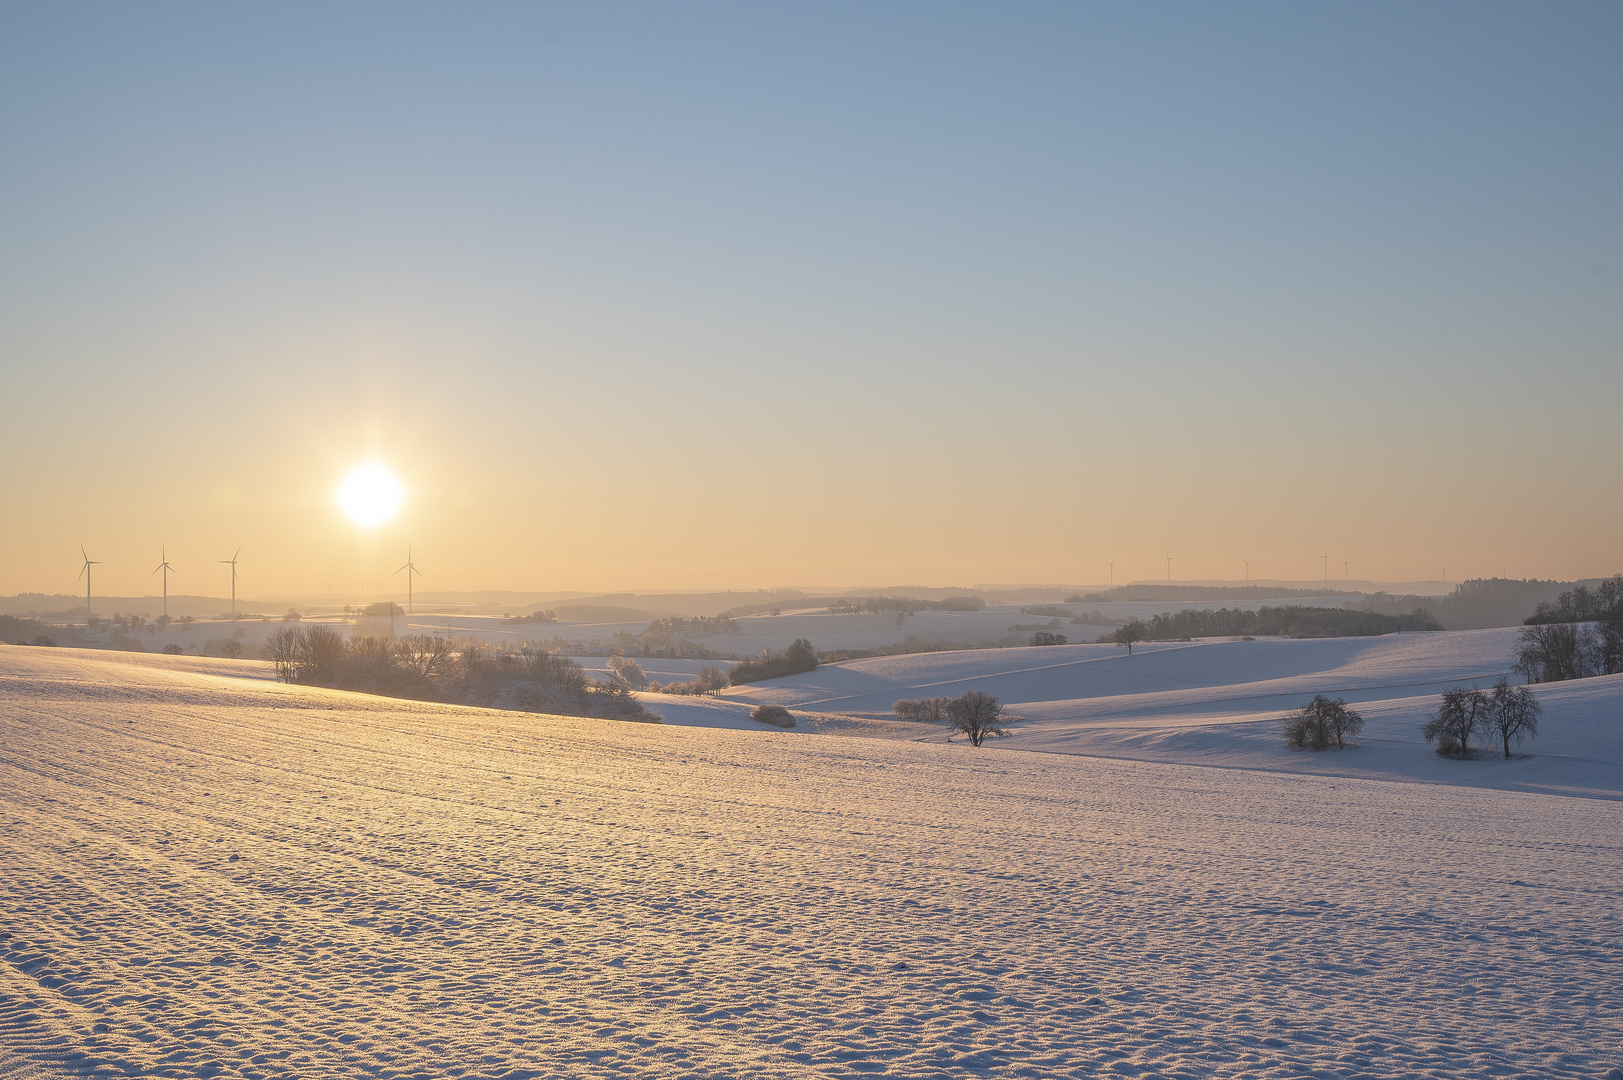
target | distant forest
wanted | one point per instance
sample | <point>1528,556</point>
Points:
<point>1292,621</point>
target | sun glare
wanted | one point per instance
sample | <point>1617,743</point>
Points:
<point>370,494</point>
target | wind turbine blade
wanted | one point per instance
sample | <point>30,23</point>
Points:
<point>234,556</point>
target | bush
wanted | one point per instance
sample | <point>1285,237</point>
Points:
<point>931,708</point>
<point>1044,637</point>
<point>709,680</point>
<point>629,672</point>
<point>776,715</point>
<point>977,715</point>
<point>798,657</point>
<point>173,650</point>
<point>1321,722</point>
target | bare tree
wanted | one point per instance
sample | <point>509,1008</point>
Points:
<point>1127,633</point>
<point>283,647</point>
<point>976,715</point>
<point>1320,722</point>
<point>1513,713</point>
<point>1554,652</point>
<point>423,655</point>
<point>1456,719</point>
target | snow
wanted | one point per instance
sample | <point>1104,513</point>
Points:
<point>213,875</point>
<point>1219,703</point>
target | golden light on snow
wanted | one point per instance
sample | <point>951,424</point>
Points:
<point>370,494</point>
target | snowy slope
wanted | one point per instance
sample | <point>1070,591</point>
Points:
<point>207,875</point>
<point>1219,702</point>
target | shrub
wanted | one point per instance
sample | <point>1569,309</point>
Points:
<point>977,715</point>
<point>629,672</point>
<point>1044,637</point>
<point>708,681</point>
<point>776,715</point>
<point>930,708</point>
<point>173,650</point>
<point>798,657</point>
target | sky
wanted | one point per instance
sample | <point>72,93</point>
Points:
<point>659,296</point>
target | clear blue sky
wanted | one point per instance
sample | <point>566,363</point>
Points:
<point>737,295</point>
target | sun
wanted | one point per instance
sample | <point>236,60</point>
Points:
<point>370,494</point>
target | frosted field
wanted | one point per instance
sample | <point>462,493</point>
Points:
<point>208,874</point>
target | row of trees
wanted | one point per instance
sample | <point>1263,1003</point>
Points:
<point>1578,635</point>
<point>1289,621</point>
<point>438,669</point>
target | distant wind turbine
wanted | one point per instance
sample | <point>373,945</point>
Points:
<point>167,570</point>
<point>232,562</point>
<point>1247,569</point>
<point>410,568</point>
<point>1345,573</point>
<point>1112,574</point>
<point>1169,568</point>
<point>1326,558</point>
<point>84,572</point>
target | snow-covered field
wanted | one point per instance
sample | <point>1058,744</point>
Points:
<point>212,875</point>
<point>1218,702</point>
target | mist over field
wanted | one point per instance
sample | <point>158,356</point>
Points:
<point>811,541</point>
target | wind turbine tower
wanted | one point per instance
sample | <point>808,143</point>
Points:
<point>1248,569</point>
<point>1326,558</point>
<point>232,562</point>
<point>1112,574</point>
<point>1169,568</point>
<point>410,568</point>
<point>1346,575</point>
<point>84,572</point>
<point>167,570</point>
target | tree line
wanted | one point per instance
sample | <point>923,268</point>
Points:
<point>1289,621</point>
<point>1577,635</point>
<point>428,668</point>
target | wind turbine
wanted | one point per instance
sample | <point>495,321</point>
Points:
<point>1326,558</point>
<point>1247,569</point>
<point>232,562</point>
<point>1112,574</point>
<point>84,572</point>
<point>1345,573</point>
<point>410,568</point>
<point>167,570</point>
<point>1169,568</point>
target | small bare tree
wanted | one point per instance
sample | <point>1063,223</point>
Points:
<point>1457,717</point>
<point>283,647</point>
<point>1127,633</point>
<point>976,715</point>
<point>1513,713</point>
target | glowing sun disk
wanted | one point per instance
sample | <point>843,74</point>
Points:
<point>370,494</point>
